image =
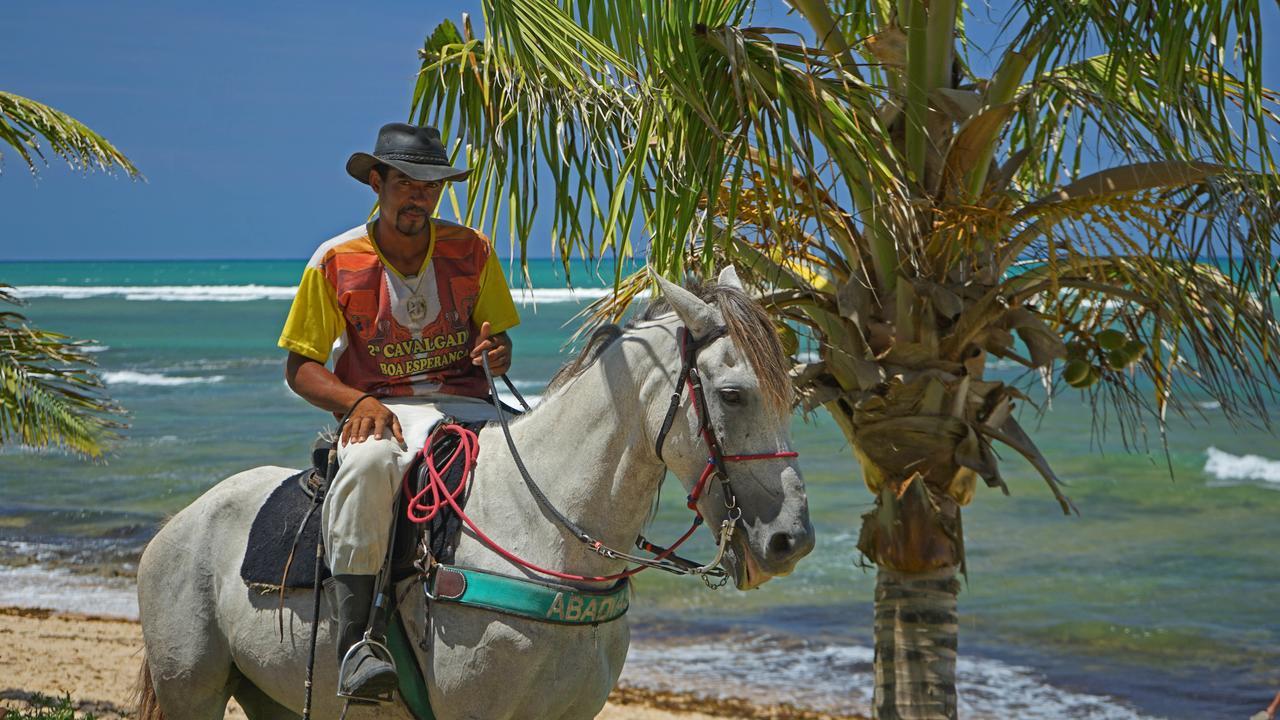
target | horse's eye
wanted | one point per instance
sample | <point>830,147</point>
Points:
<point>731,396</point>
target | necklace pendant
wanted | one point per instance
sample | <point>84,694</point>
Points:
<point>417,308</point>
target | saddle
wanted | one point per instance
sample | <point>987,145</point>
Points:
<point>282,540</point>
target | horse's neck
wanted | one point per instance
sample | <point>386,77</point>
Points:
<point>596,454</point>
<point>588,447</point>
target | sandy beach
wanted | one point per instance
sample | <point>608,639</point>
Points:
<point>94,660</point>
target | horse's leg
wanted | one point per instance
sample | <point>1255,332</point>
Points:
<point>259,706</point>
<point>200,694</point>
<point>167,698</point>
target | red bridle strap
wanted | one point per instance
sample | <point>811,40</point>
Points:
<point>715,461</point>
<point>710,470</point>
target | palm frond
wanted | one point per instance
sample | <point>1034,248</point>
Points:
<point>511,114</point>
<point>1189,271</point>
<point>48,394</point>
<point>25,122</point>
<point>1204,59</point>
<point>655,138</point>
<point>1092,108</point>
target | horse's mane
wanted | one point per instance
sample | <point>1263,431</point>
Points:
<point>750,329</point>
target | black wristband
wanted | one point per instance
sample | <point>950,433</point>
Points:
<point>353,407</point>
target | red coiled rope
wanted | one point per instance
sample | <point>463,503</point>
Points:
<point>468,448</point>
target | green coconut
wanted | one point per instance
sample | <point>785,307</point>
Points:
<point>1111,339</point>
<point>1076,371</point>
<point>1077,350</point>
<point>1126,355</point>
<point>1090,376</point>
<point>1136,348</point>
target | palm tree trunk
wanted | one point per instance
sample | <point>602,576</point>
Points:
<point>915,538</point>
<point>915,634</point>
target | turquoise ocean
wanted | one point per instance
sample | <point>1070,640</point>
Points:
<point>1161,600</point>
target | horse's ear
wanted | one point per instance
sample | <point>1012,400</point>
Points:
<point>729,278</point>
<point>700,317</point>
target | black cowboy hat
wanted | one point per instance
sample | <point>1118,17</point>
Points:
<point>414,151</point>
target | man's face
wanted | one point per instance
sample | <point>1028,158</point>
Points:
<point>406,202</point>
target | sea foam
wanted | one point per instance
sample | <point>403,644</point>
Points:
<point>179,293</point>
<point>36,586</point>
<point>132,377</point>
<point>246,293</point>
<point>558,295</point>
<point>840,678</point>
<point>1228,469</point>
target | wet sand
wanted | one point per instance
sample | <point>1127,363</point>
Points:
<point>94,660</point>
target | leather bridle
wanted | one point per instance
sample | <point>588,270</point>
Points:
<point>690,378</point>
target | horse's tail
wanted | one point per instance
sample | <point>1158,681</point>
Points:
<point>148,705</point>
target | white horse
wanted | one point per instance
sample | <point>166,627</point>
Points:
<point>590,445</point>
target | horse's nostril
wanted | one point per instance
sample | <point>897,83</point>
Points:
<point>781,544</point>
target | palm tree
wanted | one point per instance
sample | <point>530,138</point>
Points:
<point>48,395</point>
<point>1100,206</point>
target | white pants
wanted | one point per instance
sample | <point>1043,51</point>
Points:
<point>357,512</point>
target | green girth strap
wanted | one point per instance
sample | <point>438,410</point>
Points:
<point>413,689</point>
<point>529,598</point>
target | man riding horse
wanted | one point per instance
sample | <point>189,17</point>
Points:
<point>406,305</point>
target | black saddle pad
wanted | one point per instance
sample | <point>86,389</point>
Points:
<point>274,532</point>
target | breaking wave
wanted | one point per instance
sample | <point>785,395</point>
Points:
<point>178,293</point>
<point>132,377</point>
<point>245,293</point>
<point>839,678</point>
<point>558,295</point>
<point>1228,469</point>
<point>37,586</point>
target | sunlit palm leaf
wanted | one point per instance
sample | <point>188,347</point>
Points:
<point>48,394</point>
<point>727,97</point>
<point>24,123</point>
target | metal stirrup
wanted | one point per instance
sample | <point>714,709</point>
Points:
<point>374,646</point>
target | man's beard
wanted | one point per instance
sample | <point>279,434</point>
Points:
<point>410,223</point>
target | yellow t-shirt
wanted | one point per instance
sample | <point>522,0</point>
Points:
<point>398,335</point>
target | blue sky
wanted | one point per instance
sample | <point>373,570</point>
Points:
<point>241,116</point>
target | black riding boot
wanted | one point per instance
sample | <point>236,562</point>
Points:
<point>367,676</point>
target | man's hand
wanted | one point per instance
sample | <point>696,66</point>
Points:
<point>316,384</point>
<point>371,419</point>
<point>499,349</point>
